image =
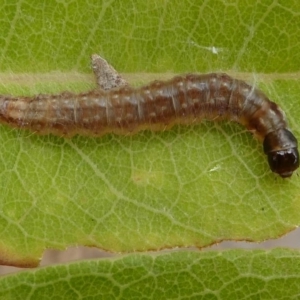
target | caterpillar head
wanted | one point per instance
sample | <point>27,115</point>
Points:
<point>281,147</point>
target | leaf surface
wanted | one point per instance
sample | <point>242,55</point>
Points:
<point>190,186</point>
<point>234,274</point>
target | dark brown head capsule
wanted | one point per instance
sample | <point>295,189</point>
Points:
<point>282,149</point>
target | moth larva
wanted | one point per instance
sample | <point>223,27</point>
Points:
<point>161,104</point>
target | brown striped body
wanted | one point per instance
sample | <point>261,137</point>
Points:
<point>183,100</point>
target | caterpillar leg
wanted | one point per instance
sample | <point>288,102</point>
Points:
<point>107,77</point>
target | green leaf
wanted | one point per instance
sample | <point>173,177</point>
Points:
<point>232,275</point>
<point>190,186</point>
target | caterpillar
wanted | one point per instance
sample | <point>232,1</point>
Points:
<point>159,105</point>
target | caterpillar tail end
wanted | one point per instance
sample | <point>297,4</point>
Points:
<point>281,147</point>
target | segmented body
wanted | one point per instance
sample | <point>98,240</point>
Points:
<point>183,100</point>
